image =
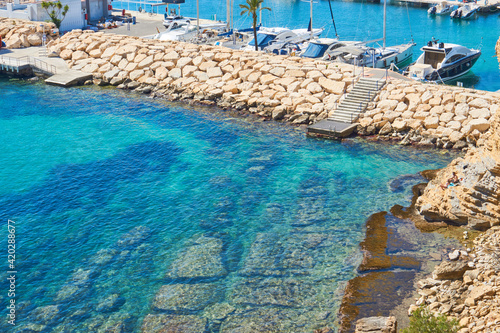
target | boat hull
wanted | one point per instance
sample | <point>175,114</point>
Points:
<point>454,70</point>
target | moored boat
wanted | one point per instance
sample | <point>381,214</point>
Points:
<point>443,62</point>
<point>465,12</point>
<point>441,8</point>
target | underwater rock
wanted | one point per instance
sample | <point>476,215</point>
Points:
<point>71,292</point>
<point>134,237</point>
<point>103,257</point>
<point>46,315</point>
<point>117,323</point>
<point>166,323</point>
<point>271,255</point>
<point>218,311</point>
<point>403,182</point>
<point>83,276</point>
<point>111,303</point>
<point>186,297</point>
<point>273,319</point>
<point>276,292</point>
<point>202,259</point>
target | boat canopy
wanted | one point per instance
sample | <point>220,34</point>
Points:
<point>434,57</point>
<point>348,49</point>
<point>262,40</point>
<point>315,50</point>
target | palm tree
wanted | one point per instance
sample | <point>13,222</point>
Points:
<point>252,8</point>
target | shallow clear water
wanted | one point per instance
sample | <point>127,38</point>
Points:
<point>364,21</point>
<point>83,167</point>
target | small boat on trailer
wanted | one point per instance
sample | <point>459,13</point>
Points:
<point>442,62</point>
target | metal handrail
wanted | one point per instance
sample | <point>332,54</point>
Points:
<point>26,60</point>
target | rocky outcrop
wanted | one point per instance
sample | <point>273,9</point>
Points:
<point>298,90</point>
<point>22,33</point>
<point>439,115</point>
<point>475,199</point>
<point>471,297</point>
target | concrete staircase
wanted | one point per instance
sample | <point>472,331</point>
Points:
<point>357,100</point>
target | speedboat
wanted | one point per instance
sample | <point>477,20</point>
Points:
<point>272,39</point>
<point>175,21</point>
<point>465,12</point>
<point>189,31</point>
<point>318,47</point>
<point>443,62</point>
<point>440,9</point>
<point>284,43</point>
<point>380,57</point>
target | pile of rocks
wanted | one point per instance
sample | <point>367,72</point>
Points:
<point>299,90</point>
<point>468,286</point>
<point>475,199</point>
<point>439,115</point>
<point>22,33</point>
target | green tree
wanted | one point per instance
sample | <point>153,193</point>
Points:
<point>424,321</point>
<point>55,10</point>
<point>252,8</point>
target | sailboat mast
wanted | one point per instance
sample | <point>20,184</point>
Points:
<point>385,9</point>
<point>311,18</point>
<point>198,16</point>
<point>228,14</point>
<point>260,14</point>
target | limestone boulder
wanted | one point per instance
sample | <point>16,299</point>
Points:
<point>214,72</point>
<point>450,270</point>
<point>333,87</point>
<point>35,39</point>
<point>388,105</point>
<point>376,325</point>
<point>479,103</point>
<point>481,124</point>
<point>431,122</point>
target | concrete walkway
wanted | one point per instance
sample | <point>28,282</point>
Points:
<point>63,76</point>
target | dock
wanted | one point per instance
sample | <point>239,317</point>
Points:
<point>483,4</point>
<point>33,60</point>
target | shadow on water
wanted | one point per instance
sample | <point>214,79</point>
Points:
<point>87,185</point>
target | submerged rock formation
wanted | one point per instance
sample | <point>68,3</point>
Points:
<point>475,199</point>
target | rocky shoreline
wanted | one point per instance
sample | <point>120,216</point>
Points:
<point>304,91</point>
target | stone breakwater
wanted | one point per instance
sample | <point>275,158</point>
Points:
<point>467,287</point>
<point>475,200</point>
<point>299,90</point>
<point>443,116</point>
<point>22,33</point>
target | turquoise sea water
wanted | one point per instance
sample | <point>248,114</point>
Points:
<point>364,21</point>
<point>115,195</point>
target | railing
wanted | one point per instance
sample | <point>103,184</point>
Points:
<point>36,64</point>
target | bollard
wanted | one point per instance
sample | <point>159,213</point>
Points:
<point>133,19</point>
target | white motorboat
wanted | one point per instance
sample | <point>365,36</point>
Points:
<point>442,8</point>
<point>189,31</point>
<point>465,12</point>
<point>380,57</point>
<point>376,57</point>
<point>443,62</point>
<point>317,48</point>
<point>277,37</point>
<point>285,42</point>
<point>175,21</point>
